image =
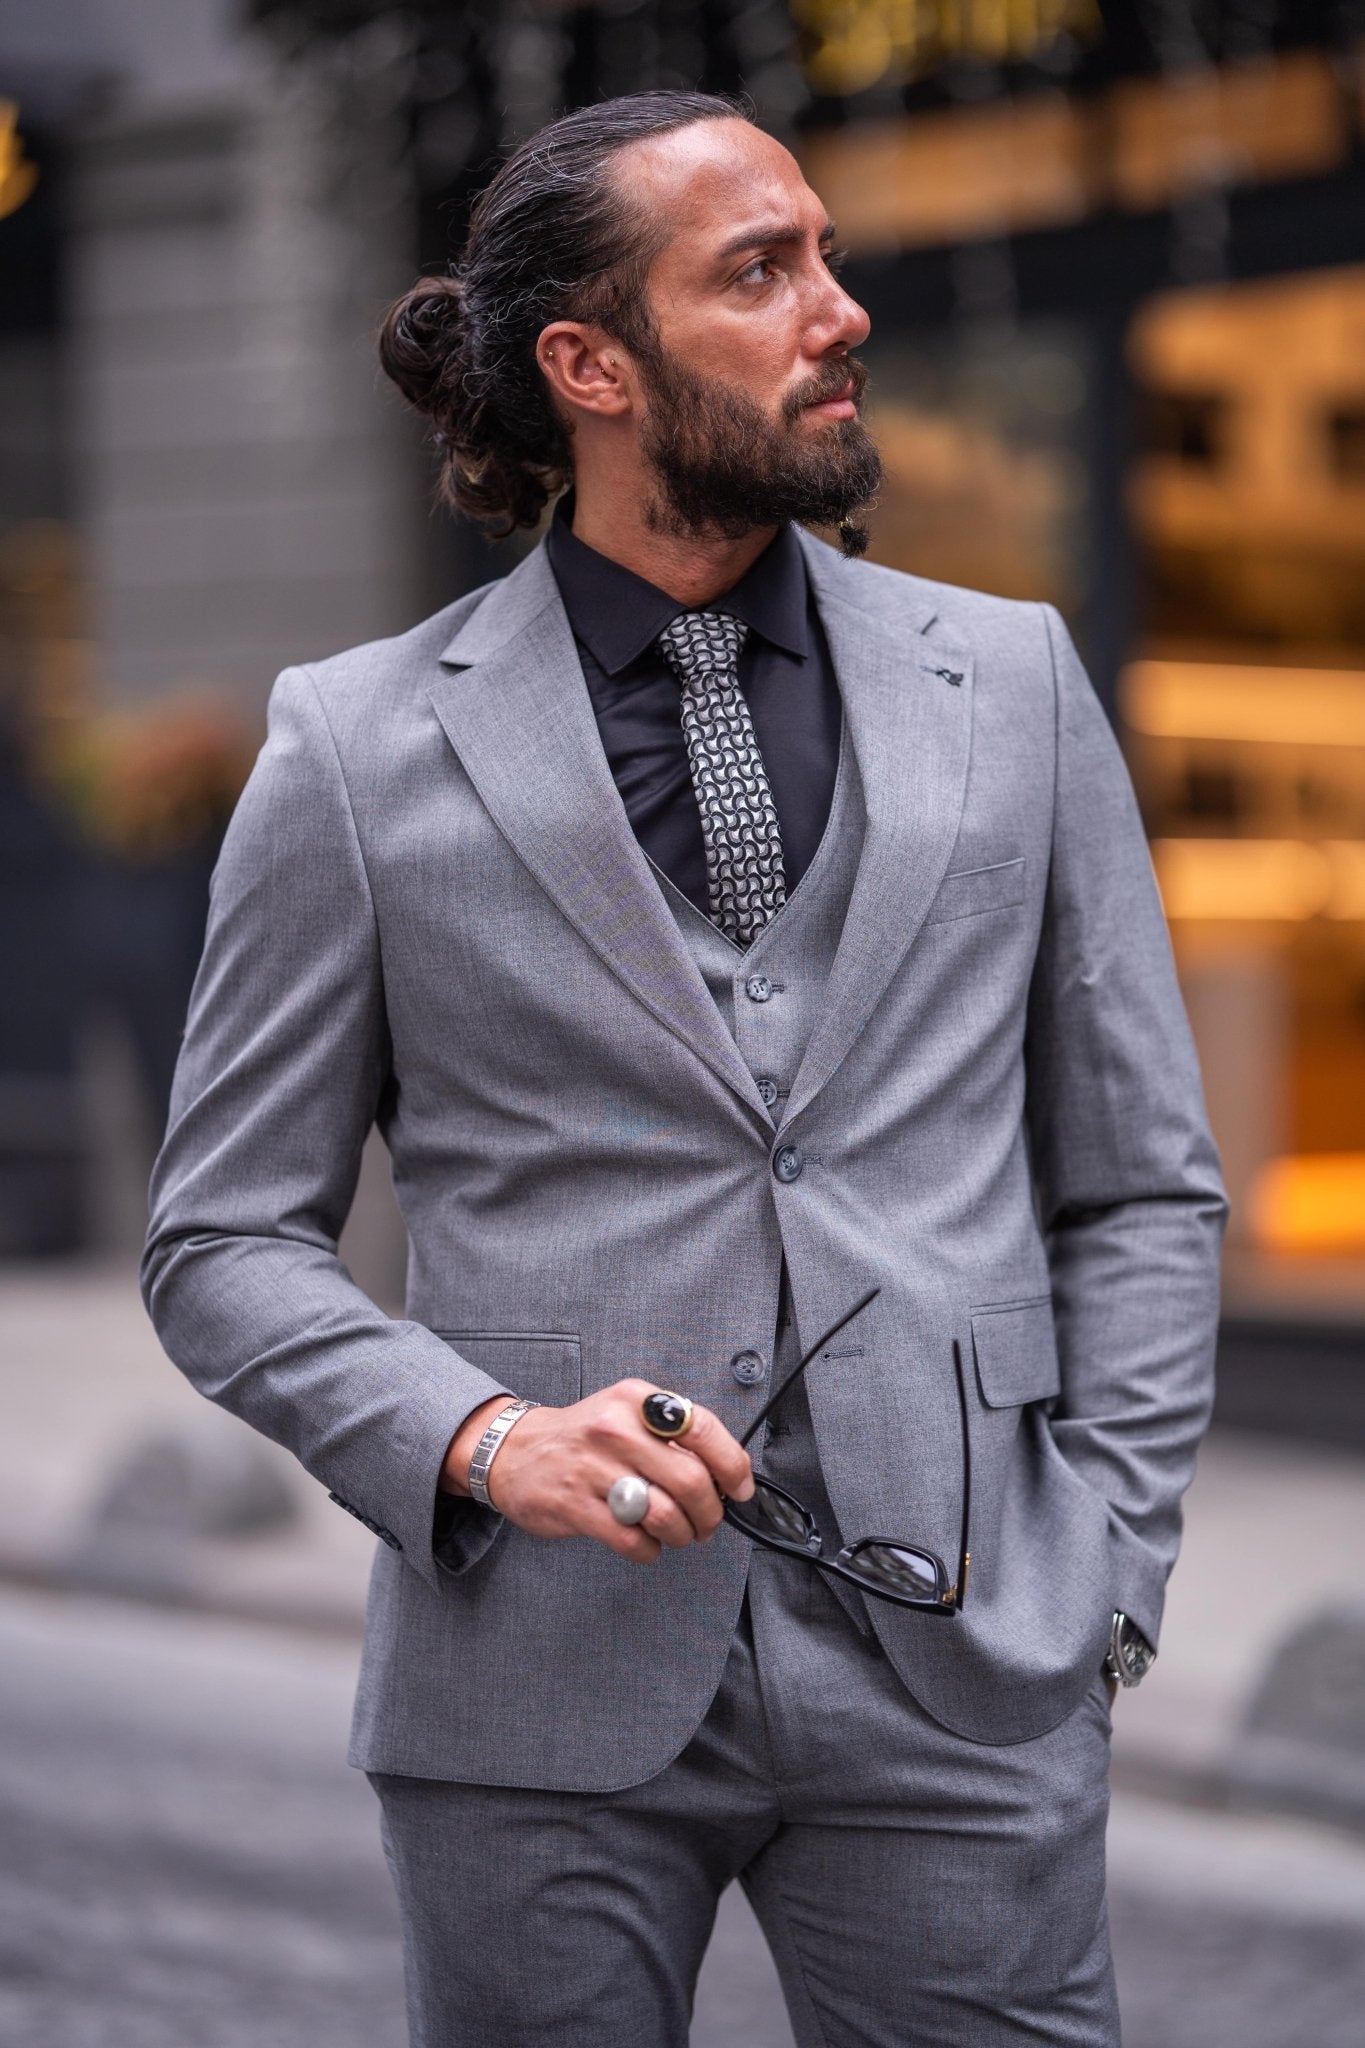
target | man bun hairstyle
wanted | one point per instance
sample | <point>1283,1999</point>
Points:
<point>555,236</point>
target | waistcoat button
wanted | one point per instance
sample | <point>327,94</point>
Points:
<point>767,1088</point>
<point>758,988</point>
<point>748,1367</point>
<point>787,1163</point>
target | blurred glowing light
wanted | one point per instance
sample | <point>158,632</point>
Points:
<point>17,177</point>
<point>1271,880</point>
<point>1233,879</point>
<point>1312,1203</point>
<point>1205,700</point>
<point>1347,899</point>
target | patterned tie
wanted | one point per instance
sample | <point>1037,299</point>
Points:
<point>745,882</point>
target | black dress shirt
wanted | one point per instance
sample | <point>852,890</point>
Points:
<point>785,673</point>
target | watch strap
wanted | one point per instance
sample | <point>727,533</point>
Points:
<point>1130,1655</point>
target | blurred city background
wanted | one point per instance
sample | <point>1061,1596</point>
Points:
<point>1114,256</point>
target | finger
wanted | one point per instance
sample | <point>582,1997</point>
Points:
<point>620,1440</point>
<point>634,1543</point>
<point>687,1481</point>
<point>671,1471</point>
<point>667,1521</point>
<point>621,1443</point>
<point>724,1457</point>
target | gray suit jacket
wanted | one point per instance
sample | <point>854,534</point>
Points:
<point>430,911</point>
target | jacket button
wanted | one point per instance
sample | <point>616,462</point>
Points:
<point>787,1163</point>
<point>767,1088</point>
<point>758,988</point>
<point>748,1367</point>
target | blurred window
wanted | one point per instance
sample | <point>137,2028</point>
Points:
<point>1189,425</point>
<point>982,433</point>
<point>1346,442</point>
<point>1244,715</point>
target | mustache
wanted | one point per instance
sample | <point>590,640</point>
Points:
<point>831,382</point>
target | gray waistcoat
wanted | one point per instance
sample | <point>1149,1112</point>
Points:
<point>786,969</point>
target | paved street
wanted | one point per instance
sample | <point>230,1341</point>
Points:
<point>185,1862</point>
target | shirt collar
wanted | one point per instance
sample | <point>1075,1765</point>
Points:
<point>617,614</point>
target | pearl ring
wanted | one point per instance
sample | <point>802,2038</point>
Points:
<point>628,1499</point>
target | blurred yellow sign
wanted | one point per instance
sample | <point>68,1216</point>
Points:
<point>851,44</point>
<point>17,176</point>
<point>1020,162</point>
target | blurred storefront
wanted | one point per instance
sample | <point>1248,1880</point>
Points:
<point>1114,251</point>
<point>1115,258</point>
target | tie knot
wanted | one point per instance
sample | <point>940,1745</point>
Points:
<point>702,644</point>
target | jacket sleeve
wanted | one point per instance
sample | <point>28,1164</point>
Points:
<point>285,1058</point>
<point>1125,1169</point>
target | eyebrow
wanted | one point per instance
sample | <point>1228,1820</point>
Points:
<point>780,234</point>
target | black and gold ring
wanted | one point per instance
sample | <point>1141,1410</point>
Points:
<point>667,1415</point>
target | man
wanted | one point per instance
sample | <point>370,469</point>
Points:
<point>719,930</point>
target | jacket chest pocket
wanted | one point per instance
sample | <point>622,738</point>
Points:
<point>972,890</point>
<point>1015,1346</point>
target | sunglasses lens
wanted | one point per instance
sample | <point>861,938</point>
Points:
<point>895,1569</point>
<point>773,1514</point>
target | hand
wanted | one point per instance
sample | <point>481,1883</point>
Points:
<point>553,1469</point>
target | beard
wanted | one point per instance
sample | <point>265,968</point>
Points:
<point>722,467</point>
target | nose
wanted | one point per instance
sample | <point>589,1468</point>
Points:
<point>838,321</point>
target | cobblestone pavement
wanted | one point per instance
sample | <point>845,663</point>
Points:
<point>185,1862</point>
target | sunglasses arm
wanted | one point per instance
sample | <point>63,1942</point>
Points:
<point>768,1406</point>
<point>964,1556</point>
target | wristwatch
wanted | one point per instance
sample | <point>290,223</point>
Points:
<point>1130,1656</point>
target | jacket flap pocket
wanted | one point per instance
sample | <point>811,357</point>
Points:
<point>976,889</point>
<point>539,1365</point>
<point>1015,1344</point>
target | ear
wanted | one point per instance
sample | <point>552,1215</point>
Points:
<point>585,370</point>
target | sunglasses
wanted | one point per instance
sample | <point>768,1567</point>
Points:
<point>905,1573</point>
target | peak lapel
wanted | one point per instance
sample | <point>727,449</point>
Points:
<point>517,713</point>
<point>908,700</point>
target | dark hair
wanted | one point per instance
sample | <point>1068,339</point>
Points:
<point>553,237</point>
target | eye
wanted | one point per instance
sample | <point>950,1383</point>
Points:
<point>835,259</point>
<point>757,272</point>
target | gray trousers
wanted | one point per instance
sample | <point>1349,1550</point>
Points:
<point>917,1890</point>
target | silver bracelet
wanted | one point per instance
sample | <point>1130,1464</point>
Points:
<point>486,1449</point>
